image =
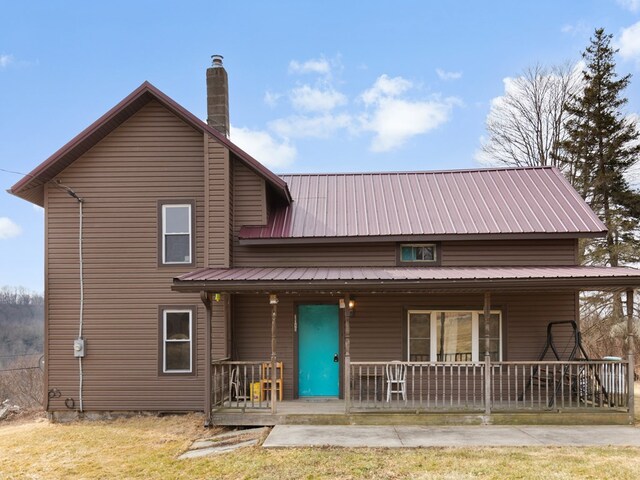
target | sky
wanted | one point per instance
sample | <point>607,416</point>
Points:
<point>315,86</point>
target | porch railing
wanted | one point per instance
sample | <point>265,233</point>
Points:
<point>238,385</point>
<point>559,385</point>
<point>460,386</point>
<point>417,386</point>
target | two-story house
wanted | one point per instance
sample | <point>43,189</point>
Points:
<point>183,275</point>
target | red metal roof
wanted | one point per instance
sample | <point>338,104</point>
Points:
<point>31,186</point>
<point>287,274</point>
<point>517,201</point>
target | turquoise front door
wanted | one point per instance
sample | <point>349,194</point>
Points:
<point>318,351</point>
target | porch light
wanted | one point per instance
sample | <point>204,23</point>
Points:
<point>273,299</point>
<point>352,308</point>
<point>217,297</point>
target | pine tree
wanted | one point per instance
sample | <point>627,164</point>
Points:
<point>602,146</point>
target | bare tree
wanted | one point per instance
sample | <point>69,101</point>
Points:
<point>526,124</point>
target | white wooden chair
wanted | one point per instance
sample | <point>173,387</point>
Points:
<point>237,387</point>
<point>396,380</point>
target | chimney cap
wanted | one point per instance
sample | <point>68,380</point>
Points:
<point>216,60</point>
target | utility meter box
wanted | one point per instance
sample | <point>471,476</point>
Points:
<point>78,347</point>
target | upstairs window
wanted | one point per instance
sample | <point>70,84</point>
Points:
<point>418,253</point>
<point>177,238</point>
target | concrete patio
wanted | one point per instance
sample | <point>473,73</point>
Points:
<point>454,436</point>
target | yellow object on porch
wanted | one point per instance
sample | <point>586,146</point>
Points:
<point>256,390</point>
<point>265,382</point>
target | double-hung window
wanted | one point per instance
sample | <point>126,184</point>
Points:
<point>452,336</point>
<point>177,236</point>
<point>177,341</point>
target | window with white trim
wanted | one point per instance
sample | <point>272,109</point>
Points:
<point>418,252</point>
<point>177,341</point>
<point>176,233</point>
<point>452,335</point>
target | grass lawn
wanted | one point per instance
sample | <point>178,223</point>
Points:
<point>147,447</point>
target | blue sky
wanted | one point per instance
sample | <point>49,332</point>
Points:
<point>314,86</point>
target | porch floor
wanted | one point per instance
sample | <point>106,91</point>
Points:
<point>332,412</point>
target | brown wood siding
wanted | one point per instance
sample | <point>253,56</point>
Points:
<point>508,252</point>
<point>346,255</point>
<point>219,207</point>
<point>152,156</point>
<point>249,204</point>
<point>453,254</point>
<point>250,200</point>
<point>220,328</point>
<point>377,331</point>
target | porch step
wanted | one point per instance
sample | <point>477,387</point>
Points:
<point>498,418</point>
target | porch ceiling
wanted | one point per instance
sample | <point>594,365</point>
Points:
<point>406,279</point>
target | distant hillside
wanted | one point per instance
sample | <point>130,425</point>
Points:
<point>21,324</point>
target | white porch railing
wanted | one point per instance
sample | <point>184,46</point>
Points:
<point>460,386</point>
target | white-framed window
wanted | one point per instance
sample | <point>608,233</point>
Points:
<point>452,335</point>
<point>177,341</point>
<point>176,233</point>
<point>418,252</point>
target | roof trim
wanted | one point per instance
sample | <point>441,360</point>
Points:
<point>410,172</point>
<point>92,135</point>
<point>418,238</point>
<point>614,280</point>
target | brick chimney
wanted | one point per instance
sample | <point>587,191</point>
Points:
<point>218,96</point>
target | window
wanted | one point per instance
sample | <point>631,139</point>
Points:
<point>177,341</point>
<point>418,253</point>
<point>452,336</point>
<point>176,234</point>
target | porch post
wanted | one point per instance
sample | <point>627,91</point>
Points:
<point>630,355</point>
<point>206,299</point>
<point>487,355</point>
<point>273,301</point>
<point>347,354</point>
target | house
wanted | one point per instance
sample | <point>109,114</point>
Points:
<point>183,275</point>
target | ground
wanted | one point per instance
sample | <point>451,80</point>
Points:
<point>147,447</point>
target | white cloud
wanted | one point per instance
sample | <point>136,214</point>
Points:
<point>311,99</point>
<point>576,29</point>
<point>629,42</point>
<point>386,87</point>
<point>262,146</point>
<point>5,60</point>
<point>315,65</point>
<point>8,228</point>
<point>271,98</point>
<point>444,75</point>
<point>300,126</point>
<point>631,5</point>
<point>395,120</point>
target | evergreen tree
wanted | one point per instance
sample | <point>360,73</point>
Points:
<point>603,145</point>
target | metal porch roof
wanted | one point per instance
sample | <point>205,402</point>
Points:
<point>465,203</point>
<point>309,278</point>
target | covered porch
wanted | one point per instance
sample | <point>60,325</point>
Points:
<point>395,359</point>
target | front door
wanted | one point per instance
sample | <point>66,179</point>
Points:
<point>318,351</point>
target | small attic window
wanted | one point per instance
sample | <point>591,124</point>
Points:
<point>418,253</point>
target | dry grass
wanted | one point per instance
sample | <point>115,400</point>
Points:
<point>147,447</point>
